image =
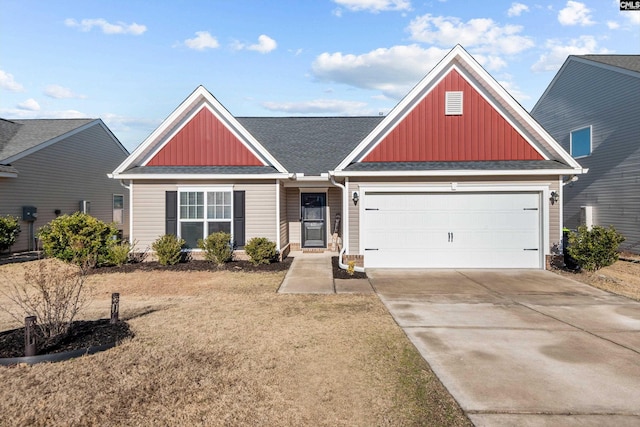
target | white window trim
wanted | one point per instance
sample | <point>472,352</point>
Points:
<point>590,127</point>
<point>204,189</point>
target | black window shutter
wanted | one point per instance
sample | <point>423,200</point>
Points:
<point>238,218</point>
<point>171,213</point>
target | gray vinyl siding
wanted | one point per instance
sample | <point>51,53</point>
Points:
<point>149,208</point>
<point>609,101</point>
<point>555,223</point>
<point>61,175</point>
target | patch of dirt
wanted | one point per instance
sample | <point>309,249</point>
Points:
<point>339,273</point>
<point>196,265</point>
<point>83,334</point>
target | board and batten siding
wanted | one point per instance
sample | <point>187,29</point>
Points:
<point>586,94</point>
<point>552,182</point>
<point>63,174</point>
<point>149,208</point>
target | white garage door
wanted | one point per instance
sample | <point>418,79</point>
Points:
<point>451,230</point>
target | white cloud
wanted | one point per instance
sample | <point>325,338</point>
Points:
<point>391,70</point>
<point>19,113</point>
<point>506,81</point>
<point>490,62</point>
<point>612,25</point>
<point>558,52</point>
<point>106,27</point>
<point>632,16</point>
<point>575,13</point>
<point>203,40</point>
<point>373,6</point>
<point>8,82</point>
<point>265,44</point>
<point>516,9</point>
<point>320,106</point>
<point>61,92</point>
<point>483,34</point>
<point>29,105</point>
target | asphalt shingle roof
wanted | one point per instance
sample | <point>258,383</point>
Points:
<point>628,62</point>
<point>17,136</point>
<point>311,145</point>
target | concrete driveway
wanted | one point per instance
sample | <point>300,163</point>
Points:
<point>522,348</point>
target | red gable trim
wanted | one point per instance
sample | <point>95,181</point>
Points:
<point>427,134</point>
<point>204,141</point>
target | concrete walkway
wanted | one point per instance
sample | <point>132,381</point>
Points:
<point>522,348</point>
<point>312,273</point>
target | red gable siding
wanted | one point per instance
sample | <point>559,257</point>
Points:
<point>426,134</point>
<point>204,141</point>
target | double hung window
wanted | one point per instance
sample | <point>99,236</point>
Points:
<point>203,211</point>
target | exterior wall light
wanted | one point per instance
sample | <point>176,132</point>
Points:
<point>554,197</point>
<point>355,197</point>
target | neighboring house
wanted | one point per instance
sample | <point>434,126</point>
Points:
<point>592,108</point>
<point>59,166</point>
<point>457,175</point>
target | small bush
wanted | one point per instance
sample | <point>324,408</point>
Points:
<point>9,230</point>
<point>120,254</point>
<point>52,291</point>
<point>168,249</point>
<point>261,250</point>
<point>217,247</point>
<point>596,248</point>
<point>78,238</point>
<point>351,268</point>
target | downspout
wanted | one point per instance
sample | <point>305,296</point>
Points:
<point>128,188</point>
<point>345,225</point>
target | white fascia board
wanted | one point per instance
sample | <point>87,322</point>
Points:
<point>199,176</point>
<point>189,105</point>
<point>52,141</point>
<point>8,175</point>
<point>528,172</point>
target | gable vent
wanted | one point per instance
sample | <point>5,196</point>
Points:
<point>453,103</point>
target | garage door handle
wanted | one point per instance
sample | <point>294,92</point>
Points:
<point>371,249</point>
<point>450,237</point>
<point>371,209</point>
<point>530,209</point>
<point>530,249</point>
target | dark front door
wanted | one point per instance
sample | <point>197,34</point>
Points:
<point>314,228</point>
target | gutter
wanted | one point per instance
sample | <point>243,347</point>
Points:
<point>345,225</point>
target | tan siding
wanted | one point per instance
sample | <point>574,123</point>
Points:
<point>260,210</point>
<point>61,175</point>
<point>284,222</point>
<point>149,208</point>
<point>149,212</point>
<point>334,202</point>
<point>293,214</point>
<point>354,221</point>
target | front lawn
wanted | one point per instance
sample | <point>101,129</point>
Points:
<point>223,348</point>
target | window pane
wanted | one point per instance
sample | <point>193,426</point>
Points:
<point>191,232</point>
<point>219,198</point>
<point>581,142</point>
<point>227,212</point>
<point>227,198</point>
<point>184,212</point>
<point>183,198</point>
<point>210,212</point>
<point>214,227</point>
<point>219,212</point>
<point>118,201</point>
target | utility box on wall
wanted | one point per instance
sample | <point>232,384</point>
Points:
<point>586,216</point>
<point>29,213</point>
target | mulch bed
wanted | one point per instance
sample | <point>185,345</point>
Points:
<point>339,273</point>
<point>83,334</point>
<point>196,265</point>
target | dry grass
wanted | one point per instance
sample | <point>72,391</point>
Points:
<point>622,278</point>
<point>224,349</point>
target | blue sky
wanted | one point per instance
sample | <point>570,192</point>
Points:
<point>131,63</point>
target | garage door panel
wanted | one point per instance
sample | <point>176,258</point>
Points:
<point>445,230</point>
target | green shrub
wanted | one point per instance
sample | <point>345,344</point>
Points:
<point>9,230</point>
<point>119,253</point>
<point>217,247</point>
<point>168,249</point>
<point>78,238</point>
<point>596,248</point>
<point>261,250</point>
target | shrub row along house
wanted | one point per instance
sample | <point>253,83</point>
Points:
<point>50,167</point>
<point>458,174</point>
<point>592,108</point>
